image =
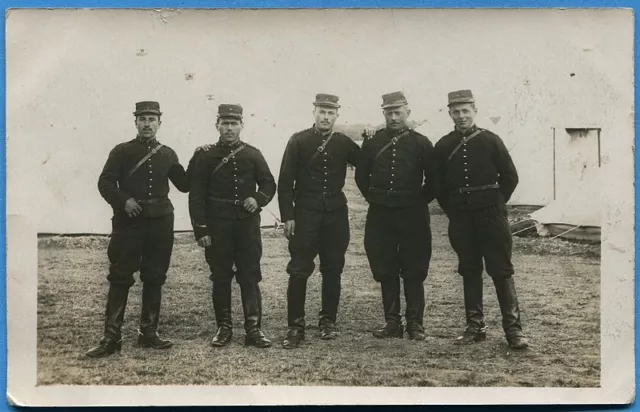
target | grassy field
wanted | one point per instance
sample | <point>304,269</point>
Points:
<point>559,291</point>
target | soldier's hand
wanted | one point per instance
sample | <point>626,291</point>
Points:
<point>204,148</point>
<point>250,204</point>
<point>369,132</point>
<point>289,228</point>
<point>204,241</point>
<point>132,208</point>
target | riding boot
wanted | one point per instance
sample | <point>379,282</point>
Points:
<point>508,300</point>
<point>296,296</point>
<point>221,297</point>
<point>414,315</point>
<point>330,302</point>
<point>148,333</point>
<point>476,329</point>
<point>391,305</point>
<point>252,306</point>
<point>114,317</point>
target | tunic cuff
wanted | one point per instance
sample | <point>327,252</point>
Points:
<point>119,200</point>
<point>261,198</point>
<point>200,231</point>
<point>286,215</point>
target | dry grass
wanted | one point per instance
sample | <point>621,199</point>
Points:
<point>558,283</point>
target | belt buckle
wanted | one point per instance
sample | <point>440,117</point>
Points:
<point>321,149</point>
<point>225,160</point>
<point>236,202</point>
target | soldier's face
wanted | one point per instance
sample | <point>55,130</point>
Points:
<point>463,114</point>
<point>396,117</point>
<point>325,117</point>
<point>229,129</point>
<point>147,125</point>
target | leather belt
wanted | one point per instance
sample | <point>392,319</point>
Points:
<point>152,200</point>
<point>323,194</point>
<point>393,191</point>
<point>478,188</point>
<point>221,200</point>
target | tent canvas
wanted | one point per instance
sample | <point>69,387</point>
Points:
<point>579,206</point>
<point>576,211</point>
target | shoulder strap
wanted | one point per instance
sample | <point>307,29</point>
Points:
<point>463,141</point>
<point>320,149</point>
<point>144,159</point>
<point>394,140</point>
<point>226,159</point>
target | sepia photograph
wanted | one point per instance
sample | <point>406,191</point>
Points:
<point>349,206</point>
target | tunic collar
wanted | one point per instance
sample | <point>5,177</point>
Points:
<point>147,142</point>
<point>230,145</point>
<point>394,133</point>
<point>325,134</point>
<point>467,132</point>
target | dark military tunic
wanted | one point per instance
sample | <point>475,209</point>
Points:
<point>478,224</point>
<point>399,184</point>
<point>314,185</point>
<point>310,193</point>
<point>315,188</point>
<point>216,208</point>
<point>144,242</point>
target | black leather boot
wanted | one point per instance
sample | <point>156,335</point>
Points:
<point>330,301</point>
<point>114,316</point>
<point>296,296</point>
<point>508,300</point>
<point>414,315</point>
<point>294,338</point>
<point>391,304</point>
<point>252,306</point>
<point>148,333</point>
<point>476,329</point>
<point>221,297</point>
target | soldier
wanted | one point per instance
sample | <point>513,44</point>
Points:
<point>135,182</point>
<point>478,178</point>
<point>225,211</point>
<point>316,216</point>
<point>397,176</point>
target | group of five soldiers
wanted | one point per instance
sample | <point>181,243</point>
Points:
<point>398,171</point>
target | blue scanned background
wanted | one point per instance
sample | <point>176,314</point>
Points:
<point>280,4</point>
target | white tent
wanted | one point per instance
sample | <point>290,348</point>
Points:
<point>70,99</point>
<point>576,209</point>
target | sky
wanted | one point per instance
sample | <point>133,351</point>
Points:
<point>73,77</point>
